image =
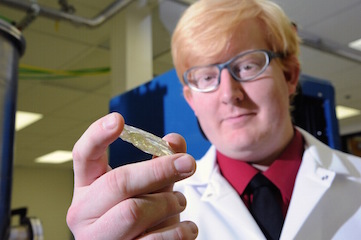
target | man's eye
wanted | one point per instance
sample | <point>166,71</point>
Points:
<point>207,78</point>
<point>248,67</point>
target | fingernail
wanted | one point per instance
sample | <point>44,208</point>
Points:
<point>184,164</point>
<point>193,227</point>
<point>109,122</point>
<point>181,199</point>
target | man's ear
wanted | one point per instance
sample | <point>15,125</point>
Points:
<point>187,93</point>
<point>292,74</point>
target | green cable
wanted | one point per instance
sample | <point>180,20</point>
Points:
<point>29,72</point>
<point>6,19</point>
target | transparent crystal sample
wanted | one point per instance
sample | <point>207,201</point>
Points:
<point>146,141</point>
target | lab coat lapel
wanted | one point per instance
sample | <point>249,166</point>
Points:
<point>220,194</point>
<point>317,190</point>
<point>311,184</point>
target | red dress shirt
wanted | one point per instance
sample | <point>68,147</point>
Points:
<point>282,172</point>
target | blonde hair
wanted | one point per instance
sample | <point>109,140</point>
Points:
<point>206,27</point>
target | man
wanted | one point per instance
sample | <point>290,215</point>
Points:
<point>238,62</point>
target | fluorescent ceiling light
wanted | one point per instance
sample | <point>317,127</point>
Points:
<point>355,44</point>
<point>343,112</point>
<point>56,157</point>
<point>24,119</point>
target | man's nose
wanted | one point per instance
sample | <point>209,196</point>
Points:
<point>230,89</point>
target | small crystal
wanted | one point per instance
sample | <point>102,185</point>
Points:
<point>146,141</point>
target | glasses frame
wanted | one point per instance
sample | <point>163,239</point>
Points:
<point>269,56</point>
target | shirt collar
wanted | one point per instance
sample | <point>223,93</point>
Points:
<point>282,172</point>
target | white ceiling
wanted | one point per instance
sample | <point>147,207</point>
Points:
<point>70,105</point>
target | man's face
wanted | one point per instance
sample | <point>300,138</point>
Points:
<point>248,121</point>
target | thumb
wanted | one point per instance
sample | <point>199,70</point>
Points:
<point>90,151</point>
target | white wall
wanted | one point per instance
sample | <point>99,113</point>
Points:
<point>47,193</point>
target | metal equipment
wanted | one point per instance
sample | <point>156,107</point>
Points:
<point>12,46</point>
<point>28,228</point>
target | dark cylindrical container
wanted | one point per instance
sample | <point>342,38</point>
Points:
<point>12,46</point>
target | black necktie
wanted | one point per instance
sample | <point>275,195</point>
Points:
<point>265,206</point>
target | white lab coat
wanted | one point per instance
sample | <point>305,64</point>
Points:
<point>325,204</point>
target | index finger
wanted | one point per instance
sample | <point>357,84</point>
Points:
<point>176,142</point>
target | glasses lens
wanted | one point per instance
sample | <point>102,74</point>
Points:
<point>249,66</point>
<point>203,78</point>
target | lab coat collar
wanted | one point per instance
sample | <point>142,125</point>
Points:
<point>333,161</point>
